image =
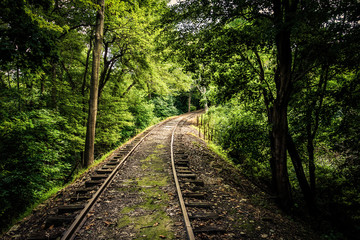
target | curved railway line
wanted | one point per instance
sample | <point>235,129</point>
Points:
<point>73,214</point>
<point>165,183</point>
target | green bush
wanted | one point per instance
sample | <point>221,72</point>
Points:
<point>243,134</point>
<point>165,106</point>
<point>113,118</point>
<point>36,154</point>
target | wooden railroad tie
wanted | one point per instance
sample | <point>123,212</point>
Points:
<point>99,176</point>
<point>203,216</point>
<point>92,183</point>
<point>194,195</point>
<point>199,204</point>
<point>70,208</point>
<point>84,190</point>
<point>103,171</point>
<point>209,229</point>
<point>190,175</point>
<point>183,168</point>
<point>180,171</point>
<point>80,198</point>
<point>196,182</point>
<point>109,166</point>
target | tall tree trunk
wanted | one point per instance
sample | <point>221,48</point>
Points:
<point>284,13</point>
<point>313,125</point>
<point>83,88</point>
<point>310,148</point>
<point>268,101</point>
<point>105,76</point>
<point>189,101</point>
<point>300,174</point>
<point>18,87</point>
<point>94,88</point>
<point>281,178</point>
<point>53,86</point>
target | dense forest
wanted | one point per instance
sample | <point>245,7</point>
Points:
<point>279,81</point>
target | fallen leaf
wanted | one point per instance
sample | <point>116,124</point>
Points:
<point>156,224</point>
<point>89,226</point>
<point>51,227</point>
<point>162,236</point>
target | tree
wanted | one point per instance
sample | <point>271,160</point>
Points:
<point>267,39</point>
<point>94,90</point>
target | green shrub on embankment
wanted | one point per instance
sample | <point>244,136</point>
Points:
<point>242,132</point>
<point>37,151</point>
<point>243,135</point>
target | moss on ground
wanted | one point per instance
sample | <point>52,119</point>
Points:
<point>149,218</point>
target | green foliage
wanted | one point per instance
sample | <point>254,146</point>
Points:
<point>243,134</point>
<point>143,112</point>
<point>37,153</point>
<point>28,35</point>
<point>164,106</point>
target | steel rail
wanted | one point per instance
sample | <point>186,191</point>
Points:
<point>188,226</point>
<point>81,218</point>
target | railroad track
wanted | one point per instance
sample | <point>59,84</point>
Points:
<point>209,191</point>
<point>72,214</point>
<point>198,212</point>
